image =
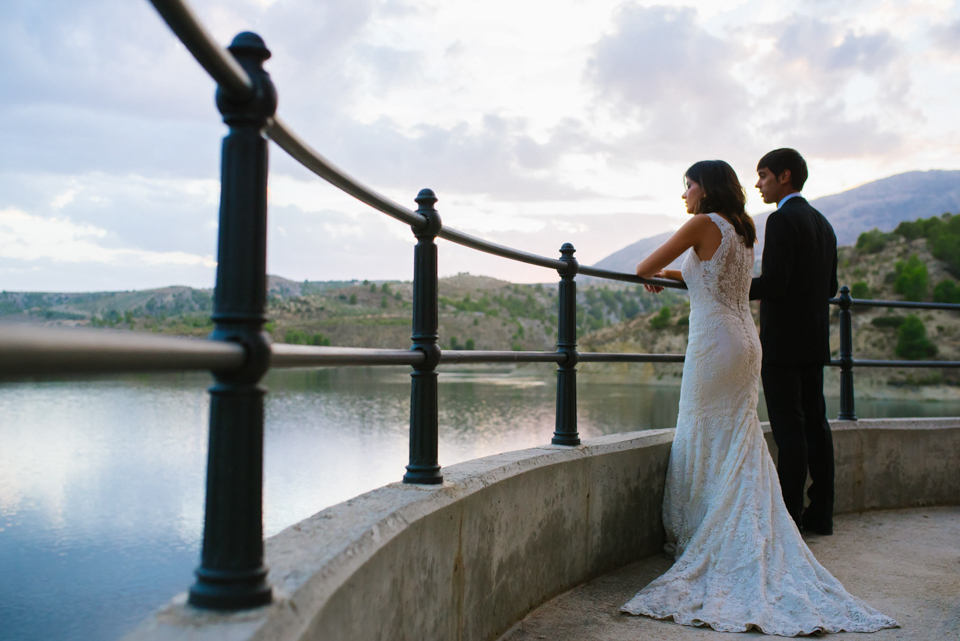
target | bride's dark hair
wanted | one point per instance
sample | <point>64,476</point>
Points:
<point>723,194</point>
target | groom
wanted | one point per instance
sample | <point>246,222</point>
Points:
<point>799,275</point>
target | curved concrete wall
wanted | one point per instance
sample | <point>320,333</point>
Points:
<point>466,560</point>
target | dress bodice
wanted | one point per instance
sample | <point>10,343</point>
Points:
<point>721,284</point>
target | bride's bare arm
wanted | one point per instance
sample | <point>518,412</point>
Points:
<point>672,274</point>
<point>690,235</point>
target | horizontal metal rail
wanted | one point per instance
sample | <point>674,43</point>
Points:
<point>902,304</point>
<point>31,351</point>
<point>287,356</point>
<point>36,351</point>
<point>630,278</point>
<point>603,357</point>
<point>291,143</point>
<point>903,364</point>
<point>911,364</point>
<point>454,236</point>
<point>458,356</point>
<point>287,140</point>
<point>478,356</point>
<point>219,63</point>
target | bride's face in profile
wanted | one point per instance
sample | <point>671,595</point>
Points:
<point>692,195</point>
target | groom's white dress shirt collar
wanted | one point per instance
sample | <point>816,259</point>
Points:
<point>786,198</point>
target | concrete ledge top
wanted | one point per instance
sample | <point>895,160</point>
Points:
<point>891,424</point>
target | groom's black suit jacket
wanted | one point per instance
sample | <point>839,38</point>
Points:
<point>799,276</point>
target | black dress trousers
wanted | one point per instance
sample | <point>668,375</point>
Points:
<point>795,405</point>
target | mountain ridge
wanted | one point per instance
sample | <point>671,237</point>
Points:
<point>880,204</point>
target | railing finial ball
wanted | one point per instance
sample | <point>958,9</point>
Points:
<point>567,251</point>
<point>249,51</point>
<point>846,300</point>
<point>426,195</point>
<point>250,44</point>
<point>426,200</point>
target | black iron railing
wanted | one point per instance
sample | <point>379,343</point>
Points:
<point>846,362</point>
<point>232,575</point>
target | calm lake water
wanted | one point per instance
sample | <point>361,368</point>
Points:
<point>102,481</point>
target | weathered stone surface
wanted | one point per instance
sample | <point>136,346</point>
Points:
<point>467,559</point>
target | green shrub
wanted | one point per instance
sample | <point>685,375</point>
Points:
<point>887,321</point>
<point>912,341</point>
<point>942,234</point>
<point>662,319</point>
<point>295,337</point>
<point>683,320</point>
<point>910,229</point>
<point>321,340</point>
<point>946,291</point>
<point>470,344</point>
<point>631,308</point>
<point>860,290</point>
<point>353,299</point>
<point>871,242</point>
<point>946,247</point>
<point>911,280</point>
<point>383,302</point>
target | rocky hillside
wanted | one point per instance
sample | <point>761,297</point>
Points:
<point>475,312</point>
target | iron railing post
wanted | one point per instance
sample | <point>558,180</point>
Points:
<point>232,575</point>
<point>847,409</point>
<point>566,430</point>
<point>424,422</point>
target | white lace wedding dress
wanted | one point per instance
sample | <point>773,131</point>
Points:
<point>740,561</point>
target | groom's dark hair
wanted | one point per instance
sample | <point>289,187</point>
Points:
<point>781,160</point>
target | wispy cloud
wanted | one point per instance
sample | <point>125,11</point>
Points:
<point>27,237</point>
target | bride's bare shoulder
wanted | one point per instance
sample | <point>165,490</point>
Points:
<point>702,226</point>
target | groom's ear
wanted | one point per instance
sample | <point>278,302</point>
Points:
<point>783,178</point>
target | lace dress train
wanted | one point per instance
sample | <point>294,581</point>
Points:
<point>740,560</point>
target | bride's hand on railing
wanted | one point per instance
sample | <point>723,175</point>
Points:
<point>670,274</point>
<point>656,289</point>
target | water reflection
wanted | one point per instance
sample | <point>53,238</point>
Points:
<point>101,482</point>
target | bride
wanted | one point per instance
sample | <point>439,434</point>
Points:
<point>740,561</point>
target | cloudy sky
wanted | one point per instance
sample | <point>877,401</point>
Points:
<point>536,122</point>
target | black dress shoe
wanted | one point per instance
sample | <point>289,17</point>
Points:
<point>823,527</point>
